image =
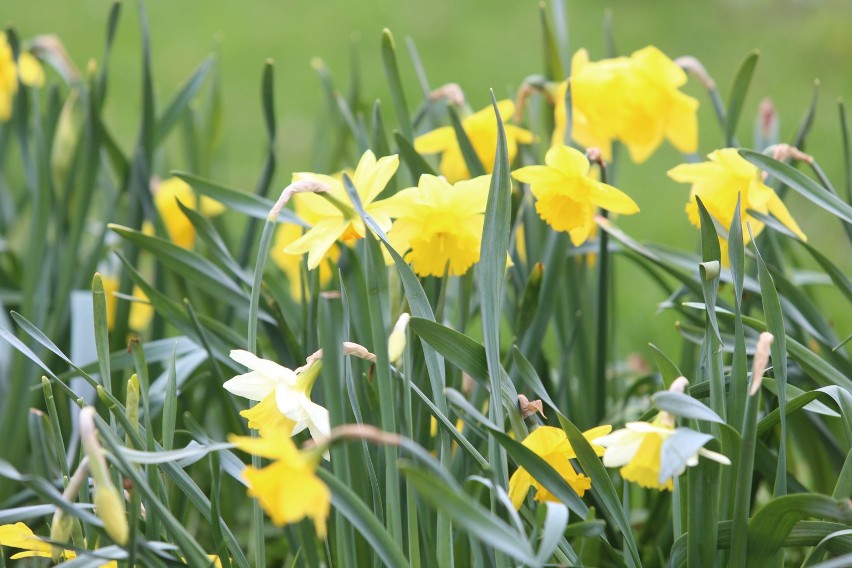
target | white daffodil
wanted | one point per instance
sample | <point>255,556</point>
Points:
<point>653,453</point>
<point>283,395</point>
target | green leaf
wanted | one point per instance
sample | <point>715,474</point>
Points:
<point>471,159</point>
<point>555,521</point>
<point>247,203</point>
<point>468,514</point>
<point>771,525</point>
<point>395,84</point>
<point>801,184</point>
<point>736,99</point>
<point>668,370</point>
<point>415,162</point>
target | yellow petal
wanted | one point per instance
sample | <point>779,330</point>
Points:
<point>266,417</point>
<point>609,198</point>
<point>780,212</point>
<point>567,160</point>
<point>519,486</point>
<point>436,141</point>
<point>21,536</point>
<point>318,240</point>
<point>30,70</point>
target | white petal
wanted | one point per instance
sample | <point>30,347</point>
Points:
<point>318,423</point>
<point>290,401</point>
<point>647,427</point>
<point>252,386</point>
<point>621,436</point>
<point>716,457</point>
<point>263,366</point>
<point>619,455</point>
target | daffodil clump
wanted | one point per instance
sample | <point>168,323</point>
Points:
<point>428,351</point>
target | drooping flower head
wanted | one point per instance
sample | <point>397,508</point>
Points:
<point>481,130</point>
<point>180,228</point>
<point>639,448</point>
<point>567,196</point>
<point>720,181</point>
<point>288,488</point>
<point>283,396</point>
<point>635,99</point>
<point>552,445</point>
<point>438,223</point>
<point>335,217</point>
<point>8,78</point>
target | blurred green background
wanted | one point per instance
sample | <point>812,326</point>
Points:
<point>478,45</point>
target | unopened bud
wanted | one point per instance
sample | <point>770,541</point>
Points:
<point>760,361</point>
<point>452,92</point>
<point>132,405</point>
<point>695,68</point>
<point>396,341</point>
<point>109,506</point>
<point>710,269</point>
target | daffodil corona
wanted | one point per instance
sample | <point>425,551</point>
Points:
<point>335,218</point>
<point>288,489</point>
<point>440,225</point>
<point>720,181</point>
<point>481,130</point>
<point>567,196</point>
<point>552,445</point>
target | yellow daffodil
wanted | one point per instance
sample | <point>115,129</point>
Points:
<point>566,195</point>
<point>21,536</point>
<point>638,450</point>
<point>30,70</point>
<point>283,396</point>
<point>396,340</point>
<point>633,99</point>
<point>335,217</point>
<point>291,264</point>
<point>288,489</point>
<point>439,223</point>
<point>8,78</point>
<point>141,312</point>
<point>552,445</point>
<point>180,229</point>
<point>481,130</point>
<point>719,182</point>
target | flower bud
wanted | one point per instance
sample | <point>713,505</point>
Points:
<point>109,505</point>
<point>396,341</point>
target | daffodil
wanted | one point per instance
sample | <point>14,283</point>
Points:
<point>30,70</point>
<point>335,217</point>
<point>180,229</point>
<point>283,396</point>
<point>141,311</point>
<point>638,450</point>
<point>481,130</point>
<point>635,100</point>
<point>22,537</point>
<point>552,445</point>
<point>291,264</point>
<point>720,181</point>
<point>8,78</point>
<point>439,224</point>
<point>567,196</point>
<point>288,489</point>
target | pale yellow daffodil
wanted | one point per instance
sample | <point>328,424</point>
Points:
<point>439,224</point>
<point>335,216</point>
<point>8,78</point>
<point>179,227</point>
<point>720,181</point>
<point>288,488</point>
<point>552,445</point>
<point>481,130</point>
<point>567,196</point>
<point>20,536</point>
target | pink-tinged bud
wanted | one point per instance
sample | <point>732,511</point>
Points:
<point>761,360</point>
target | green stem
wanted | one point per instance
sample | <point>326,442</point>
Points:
<point>602,316</point>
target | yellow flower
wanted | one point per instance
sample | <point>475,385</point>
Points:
<point>8,78</point>
<point>719,182</point>
<point>141,312</point>
<point>566,195</point>
<point>396,340</point>
<point>284,396</point>
<point>291,264</point>
<point>335,217</point>
<point>288,489</point>
<point>481,129</point>
<point>552,445</point>
<point>180,229</point>
<point>638,448</point>
<point>636,100</point>
<point>439,223</point>
<point>21,536</point>
<point>30,70</point>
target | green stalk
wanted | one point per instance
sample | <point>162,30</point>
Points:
<point>602,317</point>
